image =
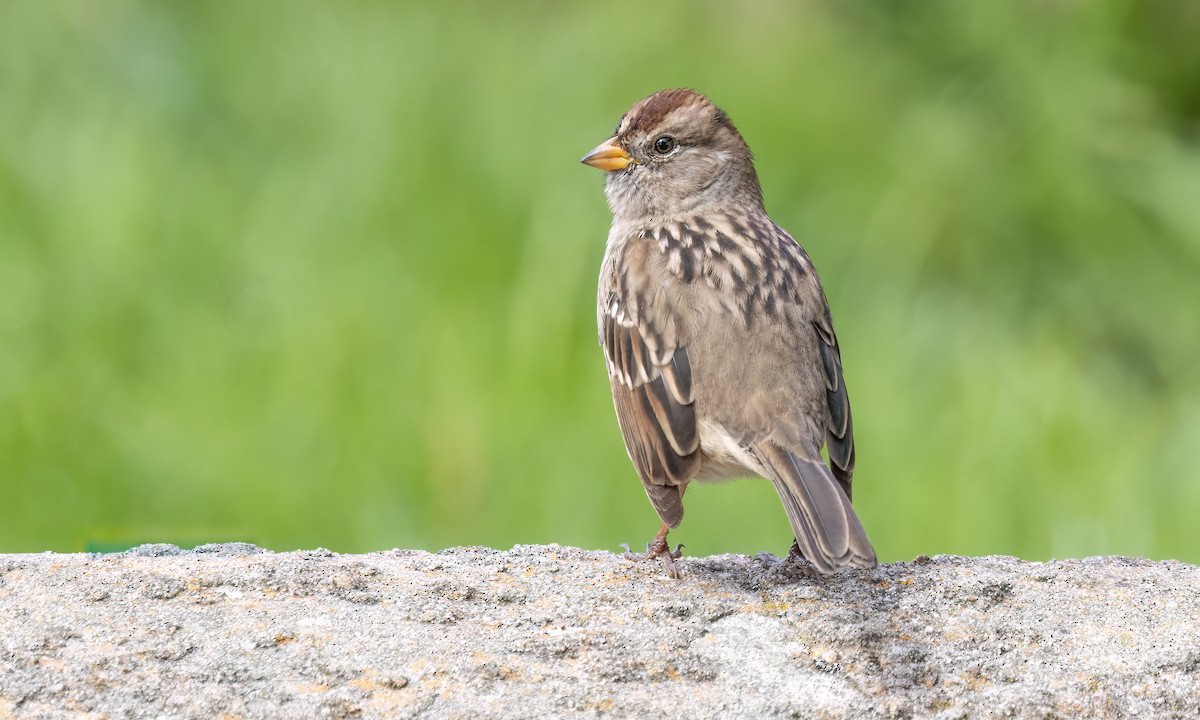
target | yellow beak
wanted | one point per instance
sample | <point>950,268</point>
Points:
<point>608,156</point>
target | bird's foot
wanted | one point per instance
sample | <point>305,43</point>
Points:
<point>658,548</point>
<point>795,557</point>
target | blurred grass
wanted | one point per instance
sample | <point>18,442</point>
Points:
<point>325,274</point>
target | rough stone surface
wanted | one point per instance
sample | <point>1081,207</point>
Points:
<point>231,631</point>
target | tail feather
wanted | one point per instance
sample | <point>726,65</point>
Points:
<point>827,529</point>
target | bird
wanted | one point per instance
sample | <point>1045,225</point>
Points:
<point>716,332</point>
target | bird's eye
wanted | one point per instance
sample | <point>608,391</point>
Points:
<point>664,144</point>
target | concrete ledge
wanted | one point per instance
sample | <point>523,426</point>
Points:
<point>548,631</point>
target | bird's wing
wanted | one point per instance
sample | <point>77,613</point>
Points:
<point>839,430</point>
<point>827,529</point>
<point>839,426</point>
<point>651,377</point>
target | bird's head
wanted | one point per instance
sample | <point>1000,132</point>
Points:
<point>675,154</point>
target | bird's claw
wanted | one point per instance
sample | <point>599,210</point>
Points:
<point>635,557</point>
<point>669,565</point>
<point>668,559</point>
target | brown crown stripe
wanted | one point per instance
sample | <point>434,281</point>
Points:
<point>650,112</point>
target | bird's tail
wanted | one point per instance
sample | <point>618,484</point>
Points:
<point>827,529</point>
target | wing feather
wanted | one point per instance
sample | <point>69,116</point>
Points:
<point>651,377</point>
<point>839,433</point>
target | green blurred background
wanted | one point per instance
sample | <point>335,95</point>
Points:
<point>323,274</point>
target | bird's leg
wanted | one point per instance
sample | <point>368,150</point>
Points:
<point>659,548</point>
<point>795,556</point>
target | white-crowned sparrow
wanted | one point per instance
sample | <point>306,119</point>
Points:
<point>717,334</point>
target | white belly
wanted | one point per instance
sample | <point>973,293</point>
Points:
<point>724,458</point>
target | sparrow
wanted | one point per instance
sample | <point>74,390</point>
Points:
<point>716,332</point>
